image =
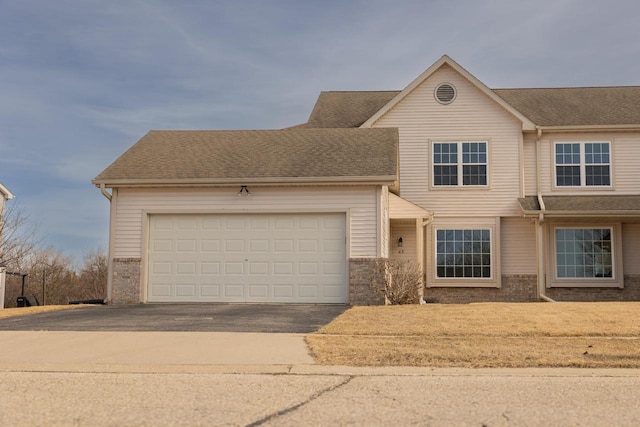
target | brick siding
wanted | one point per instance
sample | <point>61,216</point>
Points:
<point>361,286</point>
<point>630,292</point>
<point>126,281</point>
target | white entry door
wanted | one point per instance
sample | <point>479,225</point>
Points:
<point>298,258</point>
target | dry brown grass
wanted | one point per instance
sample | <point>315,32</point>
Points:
<point>484,335</point>
<point>24,311</point>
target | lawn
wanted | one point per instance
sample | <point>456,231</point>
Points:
<point>586,335</point>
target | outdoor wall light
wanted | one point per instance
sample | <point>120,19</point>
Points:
<point>400,242</point>
<point>244,191</point>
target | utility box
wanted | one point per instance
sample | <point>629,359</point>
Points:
<point>27,301</point>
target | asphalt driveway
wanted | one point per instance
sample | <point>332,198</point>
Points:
<point>274,318</point>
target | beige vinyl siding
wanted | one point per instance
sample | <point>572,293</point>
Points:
<point>631,248</point>
<point>530,185</point>
<point>518,246</point>
<point>407,230</point>
<point>359,203</point>
<point>473,116</point>
<point>624,165</point>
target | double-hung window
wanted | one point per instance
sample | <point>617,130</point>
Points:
<point>583,164</point>
<point>460,163</point>
<point>463,253</point>
<point>587,255</point>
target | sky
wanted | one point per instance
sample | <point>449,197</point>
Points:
<point>82,80</point>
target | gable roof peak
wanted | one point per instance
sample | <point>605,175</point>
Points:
<point>445,59</point>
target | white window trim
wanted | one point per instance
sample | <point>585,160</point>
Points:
<point>617,281</point>
<point>459,165</point>
<point>493,225</point>
<point>583,166</point>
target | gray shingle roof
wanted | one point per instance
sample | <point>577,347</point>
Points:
<point>583,204</point>
<point>347,109</point>
<point>210,155</point>
<point>580,106</point>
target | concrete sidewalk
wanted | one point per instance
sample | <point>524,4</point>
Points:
<point>149,351</point>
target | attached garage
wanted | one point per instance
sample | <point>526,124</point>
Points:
<point>249,216</point>
<point>298,258</point>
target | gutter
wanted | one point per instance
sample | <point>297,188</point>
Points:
<point>104,192</point>
<point>539,227</point>
<point>588,128</point>
<point>227,182</point>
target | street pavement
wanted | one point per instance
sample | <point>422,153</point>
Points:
<point>129,377</point>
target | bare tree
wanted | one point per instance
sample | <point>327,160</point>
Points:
<point>17,238</point>
<point>93,275</point>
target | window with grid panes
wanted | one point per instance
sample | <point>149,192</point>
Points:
<point>583,164</point>
<point>460,163</point>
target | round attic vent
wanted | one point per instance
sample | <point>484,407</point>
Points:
<point>445,93</point>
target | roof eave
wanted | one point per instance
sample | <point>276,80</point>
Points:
<point>582,214</point>
<point>5,192</point>
<point>270,181</point>
<point>590,128</point>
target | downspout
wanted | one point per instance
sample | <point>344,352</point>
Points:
<point>105,193</point>
<point>423,227</point>
<point>539,226</point>
<point>112,204</point>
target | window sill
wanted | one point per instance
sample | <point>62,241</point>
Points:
<point>577,283</point>
<point>458,284</point>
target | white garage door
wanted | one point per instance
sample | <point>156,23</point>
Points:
<point>247,258</point>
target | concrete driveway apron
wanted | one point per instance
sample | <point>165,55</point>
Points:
<point>163,337</point>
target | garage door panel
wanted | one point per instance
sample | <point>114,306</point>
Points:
<point>248,257</point>
<point>186,290</point>
<point>234,268</point>
<point>210,268</point>
<point>234,290</point>
<point>208,290</point>
<point>162,289</point>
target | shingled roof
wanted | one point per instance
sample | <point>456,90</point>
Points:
<point>579,106</point>
<point>212,156</point>
<point>596,205</point>
<point>347,109</point>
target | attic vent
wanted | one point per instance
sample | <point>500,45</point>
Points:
<point>445,93</point>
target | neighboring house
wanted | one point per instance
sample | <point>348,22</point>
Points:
<point>5,195</point>
<point>498,195</point>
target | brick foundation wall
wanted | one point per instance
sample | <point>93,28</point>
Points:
<point>126,281</point>
<point>522,288</point>
<point>360,282</point>
<point>630,292</point>
<point>515,288</point>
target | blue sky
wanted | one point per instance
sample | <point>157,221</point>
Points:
<point>83,80</point>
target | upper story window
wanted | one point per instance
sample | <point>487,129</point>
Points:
<point>460,163</point>
<point>583,164</point>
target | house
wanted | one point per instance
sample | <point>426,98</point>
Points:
<point>497,194</point>
<point>5,195</point>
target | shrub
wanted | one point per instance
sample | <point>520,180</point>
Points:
<point>399,281</point>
